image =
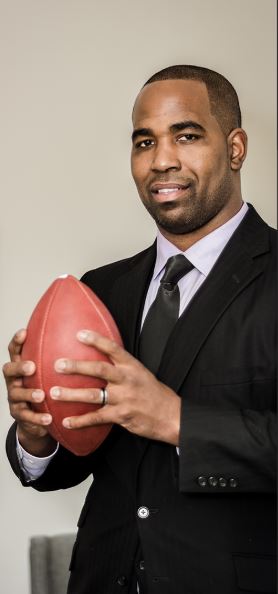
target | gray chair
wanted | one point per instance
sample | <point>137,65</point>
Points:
<point>49,563</point>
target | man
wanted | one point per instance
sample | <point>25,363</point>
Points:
<point>182,498</point>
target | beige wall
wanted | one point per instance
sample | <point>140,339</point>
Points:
<point>70,70</point>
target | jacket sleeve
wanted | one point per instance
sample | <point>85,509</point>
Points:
<point>65,469</point>
<point>227,450</point>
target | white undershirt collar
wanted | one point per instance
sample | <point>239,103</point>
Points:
<point>204,253</point>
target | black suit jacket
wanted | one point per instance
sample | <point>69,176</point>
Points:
<point>206,518</point>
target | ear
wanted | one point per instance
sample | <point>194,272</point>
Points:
<point>237,143</point>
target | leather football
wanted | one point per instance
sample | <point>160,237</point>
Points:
<point>65,308</point>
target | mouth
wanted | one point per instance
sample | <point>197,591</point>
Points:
<point>168,191</point>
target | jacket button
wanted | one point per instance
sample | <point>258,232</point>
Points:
<point>202,481</point>
<point>121,580</point>
<point>142,565</point>
<point>233,482</point>
<point>213,481</point>
<point>143,512</point>
<point>222,482</point>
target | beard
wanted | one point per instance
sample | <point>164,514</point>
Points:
<point>191,212</point>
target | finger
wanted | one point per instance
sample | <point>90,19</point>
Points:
<point>99,369</point>
<point>102,416</point>
<point>24,414</point>
<point>16,343</point>
<point>19,394</point>
<point>114,351</point>
<point>88,395</point>
<point>18,369</point>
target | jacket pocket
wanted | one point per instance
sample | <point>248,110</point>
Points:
<point>255,573</point>
<point>250,387</point>
<point>236,375</point>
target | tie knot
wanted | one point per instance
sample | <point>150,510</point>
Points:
<point>176,267</point>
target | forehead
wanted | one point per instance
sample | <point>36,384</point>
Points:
<point>166,102</point>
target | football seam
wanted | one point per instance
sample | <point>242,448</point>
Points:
<point>44,323</point>
<point>58,286</point>
<point>99,312</point>
<point>100,441</point>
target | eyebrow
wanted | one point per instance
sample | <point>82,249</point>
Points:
<point>177,127</point>
<point>186,124</point>
<point>141,132</point>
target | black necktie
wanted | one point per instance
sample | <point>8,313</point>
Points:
<point>163,313</point>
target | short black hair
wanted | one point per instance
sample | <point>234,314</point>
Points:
<point>223,98</point>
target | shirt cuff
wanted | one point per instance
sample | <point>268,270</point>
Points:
<point>32,466</point>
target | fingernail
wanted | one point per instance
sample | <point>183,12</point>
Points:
<point>46,419</point>
<point>84,335</point>
<point>28,367</point>
<point>61,364</point>
<point>55,393</point>
<point>66,423</point>
<point>19,333</point>
<point>38,395</point>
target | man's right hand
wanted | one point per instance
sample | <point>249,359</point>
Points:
<point>31,426</point>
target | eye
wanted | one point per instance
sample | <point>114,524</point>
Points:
<point>189,137</point>
<point>144,143</point>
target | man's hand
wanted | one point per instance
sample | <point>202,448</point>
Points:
<point>31,426</point>
<point>136,399</point>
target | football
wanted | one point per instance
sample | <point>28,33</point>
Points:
<point>65,308</point>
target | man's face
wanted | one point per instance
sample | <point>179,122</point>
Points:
<point>180,161</point>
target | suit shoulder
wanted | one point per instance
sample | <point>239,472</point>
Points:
<point>258,237</point>
<point>110,272</point>
<point>273,235</point>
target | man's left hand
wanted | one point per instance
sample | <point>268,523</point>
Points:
<point>136,399</point>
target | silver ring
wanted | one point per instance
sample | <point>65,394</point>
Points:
<point>104,396</point>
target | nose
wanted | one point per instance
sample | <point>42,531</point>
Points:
<point>165,157</point>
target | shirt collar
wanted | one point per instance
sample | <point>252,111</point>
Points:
<point>204,253</point>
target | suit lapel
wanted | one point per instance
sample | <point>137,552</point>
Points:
<point>129,294</point>
<point>237,266</point>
